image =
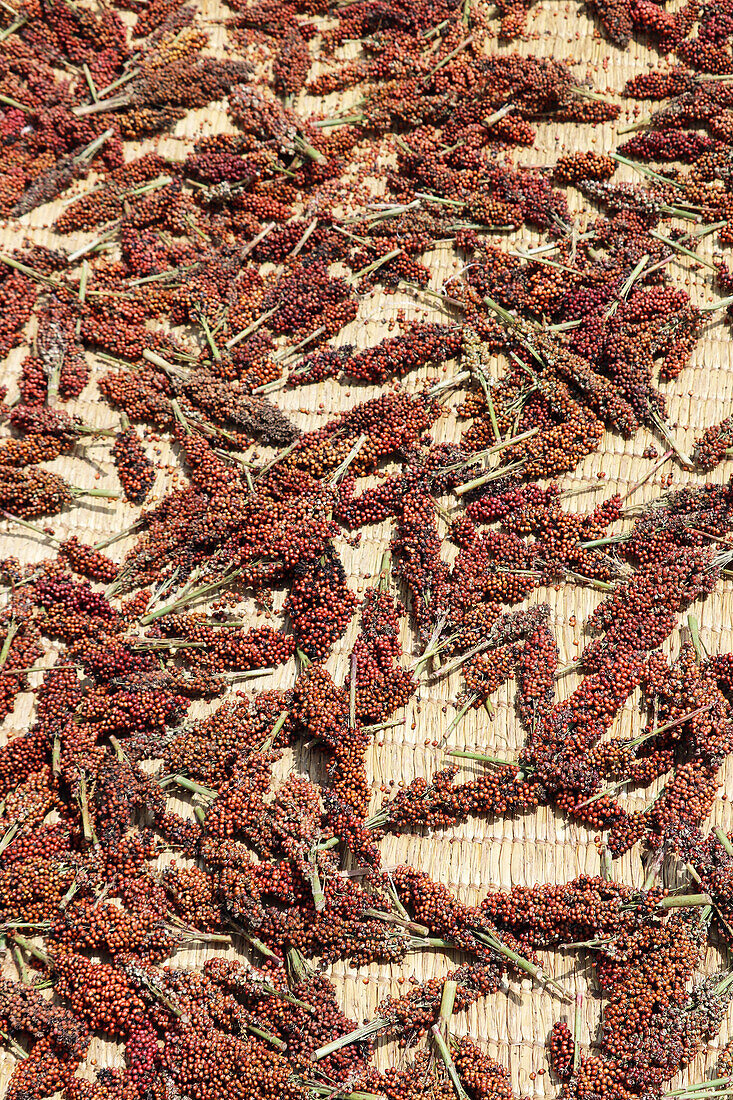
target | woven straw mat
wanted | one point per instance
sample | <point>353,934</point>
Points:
<point>480,855</point>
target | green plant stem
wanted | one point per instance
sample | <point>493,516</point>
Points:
<point>9,836</point>
<point>521,963</point>
<point>14,1047</point>
<point>458,717</point>
<point>355,1036</point>
<point>9,102</point>
<point>193,787</point>
<point>493,475</point>
<point>267,1036</point>
<point>319,897</point>
<point>257,323</point>
<point>31,948</point>
<point>13,628</point>
<point>333,1093</point>
<point>684,901</point>
<point>87,827</point>
<point>694,629</point>
<point>576,1030</point>
<point>700,1089</point>
<point>190,597</point>
<point>392,918</point>
<point>21,967</point>
<point>341,470</point>
<point>723,839</point>
<point>447,1059</point>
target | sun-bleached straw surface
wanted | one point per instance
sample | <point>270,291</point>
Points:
<point>480,855</point>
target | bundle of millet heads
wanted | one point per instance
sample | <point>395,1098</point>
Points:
<point>314,529</point>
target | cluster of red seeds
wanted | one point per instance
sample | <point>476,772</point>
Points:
<point>207,284</point>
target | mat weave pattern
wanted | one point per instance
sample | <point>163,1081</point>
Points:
<point>480,855</point>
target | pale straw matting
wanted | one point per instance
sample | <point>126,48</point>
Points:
<point>480,855</point>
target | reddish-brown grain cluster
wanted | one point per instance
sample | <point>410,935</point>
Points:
<point>190,289</point>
